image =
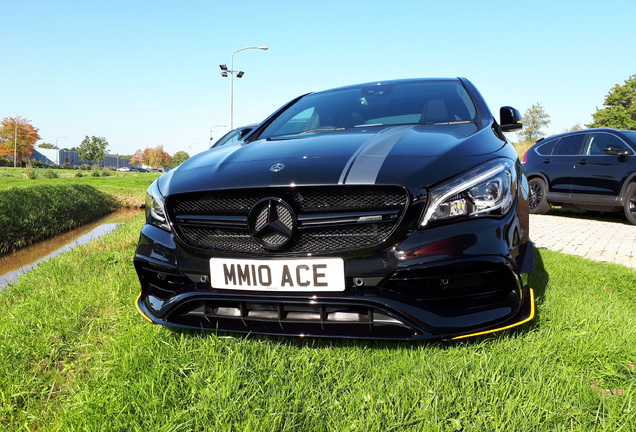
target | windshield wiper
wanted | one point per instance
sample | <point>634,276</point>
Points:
<point>320,130</point>
<point>448,122</point>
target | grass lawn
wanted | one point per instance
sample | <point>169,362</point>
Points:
<point>128,188</point>
<point>76,356</point>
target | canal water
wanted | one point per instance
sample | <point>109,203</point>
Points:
<point>15,264</point>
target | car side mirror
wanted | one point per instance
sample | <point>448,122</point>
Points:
<point>244,132</point>
<point>615,150</point>
<point>510,119</point>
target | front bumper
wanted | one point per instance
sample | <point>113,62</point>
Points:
<point>436,284</point>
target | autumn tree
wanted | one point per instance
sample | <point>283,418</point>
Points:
<point>158,157</point>
<point>179,157</point>
<point>93,149</point>
<point>619,107</point>
<point>534,119</point>
<point>137,158</point>
<point>153,157</point>
<point>17,136</point>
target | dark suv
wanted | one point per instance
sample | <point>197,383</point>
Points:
<point>591,169</point>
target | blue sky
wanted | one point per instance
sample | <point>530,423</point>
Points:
<point>145,73</point>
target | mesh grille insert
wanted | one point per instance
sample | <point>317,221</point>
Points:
<point>339,218</point>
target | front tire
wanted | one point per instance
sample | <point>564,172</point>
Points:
<point>538,201</point>
<point>630,203</point>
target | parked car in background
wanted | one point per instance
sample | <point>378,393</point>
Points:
<point>389,210</point>
<point>123,169</point>
<point>591,169</point>
<point>233,136</point>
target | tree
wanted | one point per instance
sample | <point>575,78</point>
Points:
<point>158,158</point>
<point>47,146</point>
<point>620,107</point>
<point>179,158</point>
<point>26,133</point>
<point>576,127</point>
<point>93,149</point>
<point>534,119</point>
<point>153,157</point>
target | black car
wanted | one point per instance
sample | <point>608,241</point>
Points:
<point>591,169</point>
<point>392,210</point>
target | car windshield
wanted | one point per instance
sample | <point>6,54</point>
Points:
<point>431,102</point>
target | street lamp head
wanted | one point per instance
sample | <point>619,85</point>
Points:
<point>224,74</point>
<point>240,74</point>
<point>264,48</point>
<point>223,67</point>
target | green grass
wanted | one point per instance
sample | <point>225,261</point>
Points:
<point>76,356</point>
<point>128,188</point>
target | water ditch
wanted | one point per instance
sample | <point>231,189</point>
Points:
<point>21,261</point>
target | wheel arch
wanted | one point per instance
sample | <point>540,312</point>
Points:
<point>540,175</point>
<point>629,181</point>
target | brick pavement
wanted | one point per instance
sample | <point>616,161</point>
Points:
<point>613,242</point>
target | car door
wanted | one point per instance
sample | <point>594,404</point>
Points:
<point>559,166</point>
<point>598,174</point>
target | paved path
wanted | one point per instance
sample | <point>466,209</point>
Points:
<point>596,240</point>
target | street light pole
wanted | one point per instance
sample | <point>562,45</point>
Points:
<point>212,127</point>
<point>239,75</point>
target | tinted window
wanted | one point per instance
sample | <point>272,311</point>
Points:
<point>568,145</point>
<point>631,135</point>
<point>546,149</point>
<point>230,137</point>
<point>598,141</point>
<point>383,104</point>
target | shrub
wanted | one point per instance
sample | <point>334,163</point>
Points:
<point>31,173</point>
<point>95,173</point>
<point>49,174</point>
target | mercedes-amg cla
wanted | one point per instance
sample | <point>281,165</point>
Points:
<point>390,210</point>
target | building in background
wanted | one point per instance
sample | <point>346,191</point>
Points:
<point>61,157</point>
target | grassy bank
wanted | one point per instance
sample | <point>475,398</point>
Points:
<point>36,212</point>
<point>77,356</point>
<point>36,208</point>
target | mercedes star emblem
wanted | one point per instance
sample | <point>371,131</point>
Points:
<point>277,167</point>
<point>271,223</point>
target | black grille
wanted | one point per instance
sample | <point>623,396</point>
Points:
<point>337,218</point>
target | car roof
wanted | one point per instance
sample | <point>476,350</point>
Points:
<point>588,130</point>
<point>396,81</point>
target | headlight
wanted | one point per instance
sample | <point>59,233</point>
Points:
<point>155,210</point>
<point>488,189</point>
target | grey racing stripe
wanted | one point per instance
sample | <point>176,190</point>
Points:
<point>364,166</point>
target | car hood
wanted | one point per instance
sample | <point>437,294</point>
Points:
<point>415,155</point>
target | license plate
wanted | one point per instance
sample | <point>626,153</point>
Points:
<point>304,275</point>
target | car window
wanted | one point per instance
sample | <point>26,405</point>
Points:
<point>596,142</point>
<point>546,148</point>
<point>432,102</point>
<point>568,145</point>
<point>228,138</point>
<point>631,135</point>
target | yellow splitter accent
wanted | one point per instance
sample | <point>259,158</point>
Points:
<point>506,327</point>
